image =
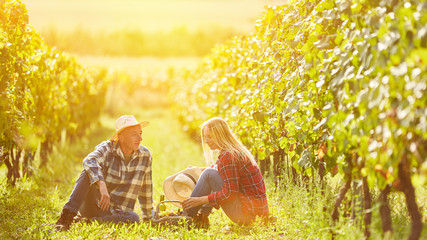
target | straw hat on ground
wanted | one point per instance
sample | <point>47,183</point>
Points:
<point>180,185</point>
<point>124,122</point>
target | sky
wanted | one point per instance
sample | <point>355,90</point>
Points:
<point>145,15</point>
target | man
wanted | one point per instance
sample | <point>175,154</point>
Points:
<point>114,176</point>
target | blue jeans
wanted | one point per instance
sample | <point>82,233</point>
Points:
<point>84,199</point>
<point>211,181</point>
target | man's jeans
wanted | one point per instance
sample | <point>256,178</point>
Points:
<point>84,199</point>
<point>211,181</point>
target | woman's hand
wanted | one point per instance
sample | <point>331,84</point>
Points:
<point>194,202</point>
<point>104,202</point>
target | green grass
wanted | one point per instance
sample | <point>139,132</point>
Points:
<point>178,42</point>
<point>30,210</point>
<point>143,66</point>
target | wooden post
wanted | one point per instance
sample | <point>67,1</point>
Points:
<point>385,211</point>
<point>367,205</point>
<point>411,203</point>
<point>346,186</point>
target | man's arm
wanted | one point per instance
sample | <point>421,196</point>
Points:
<point>104,202</point>
<point>93,164</point>
<point>145,196</point>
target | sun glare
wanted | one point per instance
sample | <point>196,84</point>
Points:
<point>146,15</point>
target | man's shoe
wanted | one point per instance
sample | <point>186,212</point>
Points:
<point>79,218</point>
<point>65,220</point>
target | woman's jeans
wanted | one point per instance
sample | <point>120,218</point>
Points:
<point>84,199</point>
<point>211,181</point>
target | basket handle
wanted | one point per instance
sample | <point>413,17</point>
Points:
<point>162,202</point>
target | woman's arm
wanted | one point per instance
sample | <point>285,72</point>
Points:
<point>228,169</point>
<point>194,202</point>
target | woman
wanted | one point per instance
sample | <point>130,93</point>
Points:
<point>233,183</point>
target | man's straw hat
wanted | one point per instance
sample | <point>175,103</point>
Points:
<point>124,122</point>
<point>180,185</point>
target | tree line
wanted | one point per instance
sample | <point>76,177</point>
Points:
<point>45,94</point>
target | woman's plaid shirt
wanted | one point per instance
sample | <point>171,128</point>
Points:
<point>125,183</point>
<point>242,180</point>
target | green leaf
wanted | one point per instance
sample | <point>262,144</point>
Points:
<point>305,157</point>
<point>283,142</point>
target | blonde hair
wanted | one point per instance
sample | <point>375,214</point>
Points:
<point>222,136</point>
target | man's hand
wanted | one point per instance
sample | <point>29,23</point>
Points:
<point>104,202</point>
<point>194,202</point>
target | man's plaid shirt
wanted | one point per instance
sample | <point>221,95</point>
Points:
<point>125,183</point>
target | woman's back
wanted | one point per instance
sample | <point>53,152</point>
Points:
<point>244,178</point>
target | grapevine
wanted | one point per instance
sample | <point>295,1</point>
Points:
<point>331,85</point>
<point>44,93</point>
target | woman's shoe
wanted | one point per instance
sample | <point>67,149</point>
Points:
<point>201,220</point>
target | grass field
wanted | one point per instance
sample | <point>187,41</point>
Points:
<point>140,65</point>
